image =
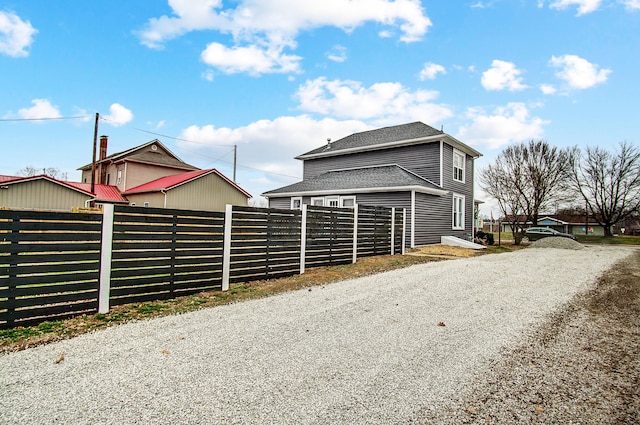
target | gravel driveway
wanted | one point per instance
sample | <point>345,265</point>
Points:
<point>381,349</point>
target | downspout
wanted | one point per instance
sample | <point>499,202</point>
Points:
<point>164,192</point>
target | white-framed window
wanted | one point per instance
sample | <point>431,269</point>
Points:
<point>133,204</point>
<point>119,180</point>
<point>146,204</point>
<point>347,201</point>
<point>458,165</point>
<point>317,202</point>
<point>296,203</point>
<point>458,212</point>
<point>332,201</point>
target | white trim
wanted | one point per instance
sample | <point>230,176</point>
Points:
<point>441,163</point>
<point>303,238</point>
<point>329,192</point>
<point>355,233</point>
<point>226,247</point>
<point>105,259</point>
<point>329,199</point>
<point>454,226</point>
<point>438,137</point>
<point>296,198</point>
<point>413,219</point>
<point>346,198</point>
<point>318,198</point>
<point>458,153</point>
<point>393,230</point>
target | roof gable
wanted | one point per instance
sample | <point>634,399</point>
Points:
<point>153,152</point>
<point>387,137</point>
<point>171,182</point>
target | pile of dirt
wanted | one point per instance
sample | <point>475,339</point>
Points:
<point>557,242</point>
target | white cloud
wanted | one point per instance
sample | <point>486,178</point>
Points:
<point>502,76</point>
<point>584,6</point>
<point>268,145</point>
<point>547,89</point>
<point>431,70</point>
<point>578,72</point>
<point>208,75</point>
<point>337,54</point>
<point>118,115</point>
<point>16,35</point>
<point>253,60</point>
<point>504,125</point>
<point>632,4</point>
<point>266,27</point>
<point>42,108</point>
<point>381,103</point>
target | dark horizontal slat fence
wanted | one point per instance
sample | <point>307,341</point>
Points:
<point>264,244</point>
<point>329,236</point>
<point>49,265</point>
<point>55,265</point>
<point>163,253</point>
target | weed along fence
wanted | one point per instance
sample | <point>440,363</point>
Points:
<point>55,265</point>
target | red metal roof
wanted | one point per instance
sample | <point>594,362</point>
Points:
<point>103,192</point>
<point>169,182</point>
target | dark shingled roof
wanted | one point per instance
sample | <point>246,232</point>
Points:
<point>386,176</point>
<point>396,133</point>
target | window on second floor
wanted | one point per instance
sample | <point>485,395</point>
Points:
<point>119,177</point>
<point>458,165</point>
<point>458,212</point>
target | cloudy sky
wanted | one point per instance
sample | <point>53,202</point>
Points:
<point>279,77</point>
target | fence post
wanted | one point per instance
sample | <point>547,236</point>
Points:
<point>303,238</point>
<point>393,230</point>
<point>106,249</point>
<point>355,233</point>
<point>226,247</point>
<point>404,228</point>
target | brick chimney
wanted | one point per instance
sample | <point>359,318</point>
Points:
<point>103,147</point>
<point>103,154</point>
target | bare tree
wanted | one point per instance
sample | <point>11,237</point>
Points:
<point>30,171</point>
<point>609,183</point>
<point>525,179</point>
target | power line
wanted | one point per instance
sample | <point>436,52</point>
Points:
<point>46,118</point>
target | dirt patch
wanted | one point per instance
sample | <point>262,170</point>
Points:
<point>580,366</point>
<point>445,251</point>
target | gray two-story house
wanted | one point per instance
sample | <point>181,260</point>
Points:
<point>412,166</point>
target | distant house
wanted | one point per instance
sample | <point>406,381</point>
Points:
<point>46,193</point>
<point>147,175</point>
<point>412,166</point>
<point>574,224</point>
<point>207,190</point>
<point>135,166</point>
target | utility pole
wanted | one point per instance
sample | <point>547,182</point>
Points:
<point>93,162</point>
<point>235,155</point>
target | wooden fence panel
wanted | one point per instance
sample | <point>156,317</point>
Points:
<point>329,236</point>
<point>49,264</point>
<point>374,231</point>
<point>265,243</point>
<point>164,253</point>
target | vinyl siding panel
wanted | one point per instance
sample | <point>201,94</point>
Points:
<point>41,195</point>
<point>155,199</point>
<point>465,189</point>
<point>423,160</point>
<point>208,193</point>
<point>134,174</point>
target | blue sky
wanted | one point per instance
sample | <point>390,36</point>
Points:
<point>279,77</point>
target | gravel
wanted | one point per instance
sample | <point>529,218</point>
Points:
<point>396,347</point>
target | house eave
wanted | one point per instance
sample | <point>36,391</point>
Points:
<point>410,142</point>
<point>419,189</point>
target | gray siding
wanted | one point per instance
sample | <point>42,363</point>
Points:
<point>465,189</point>
<point>424,160</point>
